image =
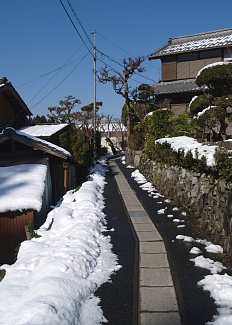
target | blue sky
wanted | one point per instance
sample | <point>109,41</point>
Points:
<point>37,38</point>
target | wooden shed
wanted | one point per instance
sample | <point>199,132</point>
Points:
<point>19,150</point>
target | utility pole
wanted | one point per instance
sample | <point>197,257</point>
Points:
<point>95,93</point>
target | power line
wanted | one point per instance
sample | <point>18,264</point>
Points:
<point>82,27</point>
<point>46,74</point>
<point>61,81</point>
<point>75,27</point>
<point>66,62</point>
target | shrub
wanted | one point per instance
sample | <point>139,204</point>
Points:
<point>200,103</point>
<point>217,78</point>
<point>223,159</point>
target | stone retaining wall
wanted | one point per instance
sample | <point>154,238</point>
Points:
<point>208,200</point>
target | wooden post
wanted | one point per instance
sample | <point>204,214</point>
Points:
<point>65,166</point>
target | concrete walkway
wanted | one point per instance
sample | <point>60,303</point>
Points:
<point>157,298</point>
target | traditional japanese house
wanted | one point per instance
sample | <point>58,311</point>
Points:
<point>182,58</point>
<point>34,174</point>
<point>13,111</point>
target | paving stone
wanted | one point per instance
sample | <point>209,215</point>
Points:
<point>160,277</point>
<point>152,247</point>
<point>148,236</point>
<point>158,299</point>
<point>140,217</point>
<point>153,260</point>
<point>133,207</point>
<point>145,227</point>
<point>136,216</point>
<point>172,318</point>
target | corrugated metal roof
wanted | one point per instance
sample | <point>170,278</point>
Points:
<point>175,87</point>
<point>195,42</point>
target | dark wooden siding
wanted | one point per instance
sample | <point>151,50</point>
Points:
<point>168,71</point>
<point>7,114</point>
<point>12,233</point>
<point>189,69</point>
<point>57,178</point>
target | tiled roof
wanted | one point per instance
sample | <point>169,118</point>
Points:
<point>175,87</point>
<point>195,42</point>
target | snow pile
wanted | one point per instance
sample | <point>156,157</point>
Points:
<point>145,185</point>
<point>185,238</point>
<point>195,250</point>
<point>190,144</point>
<point>207,263</point>
<point>138,177</point>
<point>18,191</point>
<point>55,276</point>
<point>220,288</point>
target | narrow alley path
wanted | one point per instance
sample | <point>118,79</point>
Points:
<point>118,299</point>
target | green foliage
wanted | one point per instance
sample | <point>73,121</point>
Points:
<point>211,124</point>
<point>65,112</point>
<point>201,102</point>
<point>30,231</point>
<point>223,159</point>
<point>217,78</point>
<point>163,123</point>
<point>123,115</point>
<point>164,154</point>
<point>182,125</point>
<point>136,139</point>
<point>224,101</point>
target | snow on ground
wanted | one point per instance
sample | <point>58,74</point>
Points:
<point>190,144</point>
<point>55,276</point>
<point>17,191</point>
<point>207,263</point>
<point>195,250</point>
<point>219,286</point>
<point>188,239</point>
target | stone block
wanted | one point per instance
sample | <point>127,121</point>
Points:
<point>153,260</point>
<point>152,247</point>
<point>172,318</point>
<point>155,277</point>
<point>158,299</point>
<point>148,236</point>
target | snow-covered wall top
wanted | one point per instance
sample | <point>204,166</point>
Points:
<point>43,130</point>
<point>187,143</point>
<point>22,187</point>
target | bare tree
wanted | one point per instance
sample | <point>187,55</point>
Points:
<point>64,113</point>
<point>120,82</point>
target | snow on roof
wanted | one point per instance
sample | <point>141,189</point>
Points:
<point>43,130</point>
<point>22,187</point>
<point>195,42</point>
<point>48,144</point>
<point>55,276</point>
<point>187,143</point>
